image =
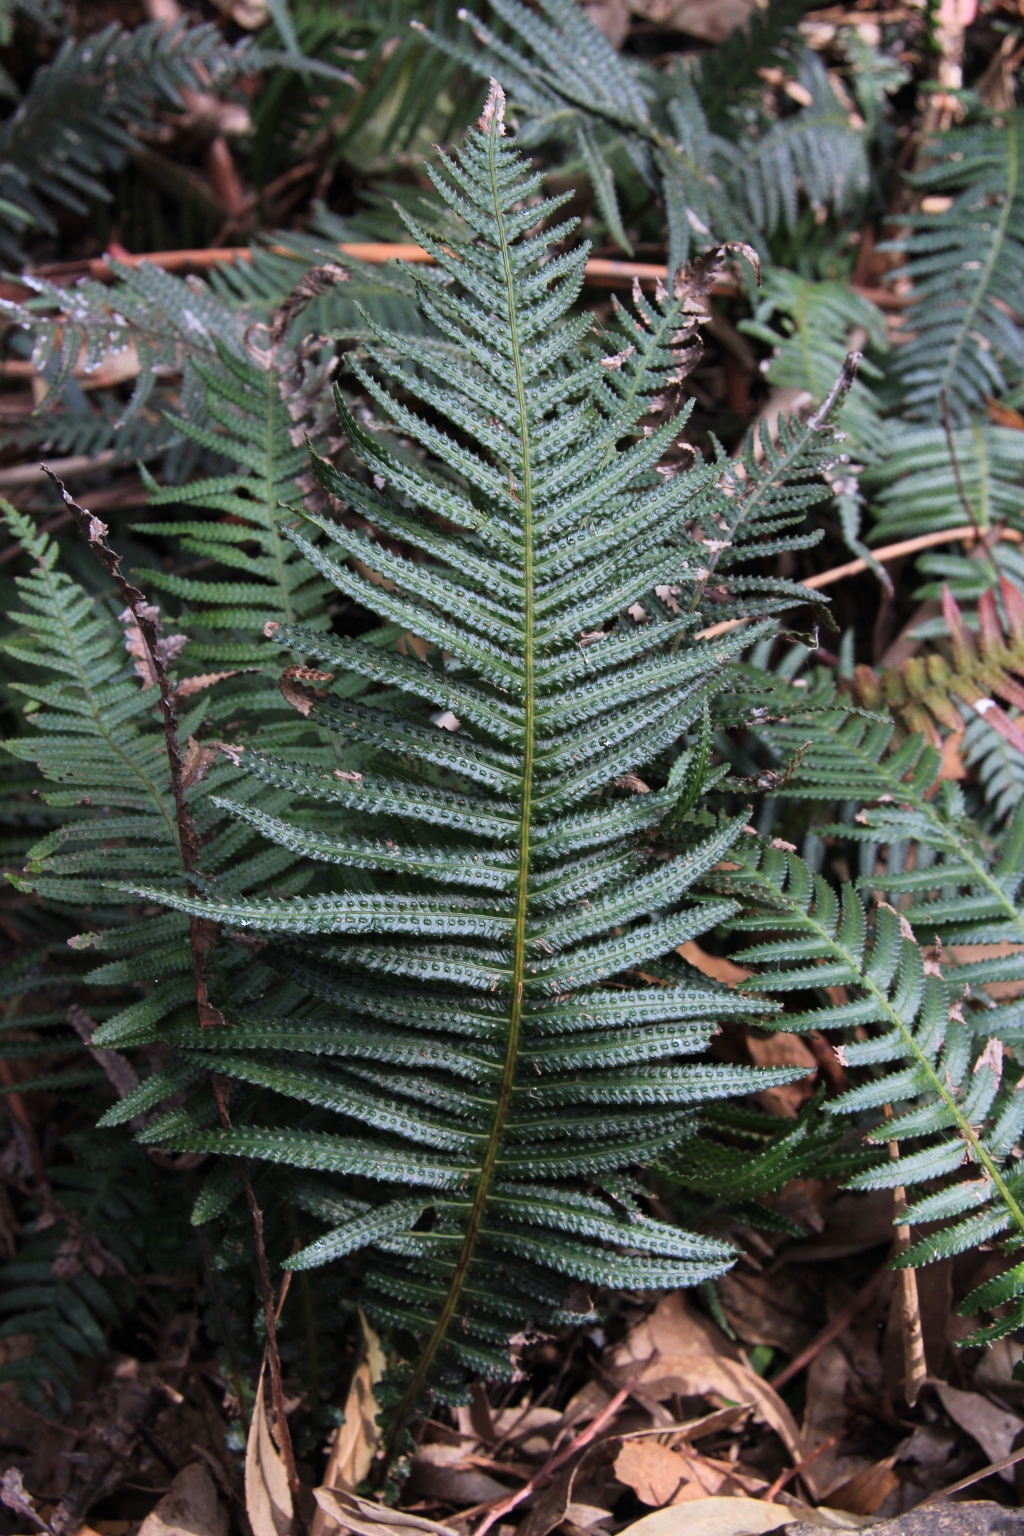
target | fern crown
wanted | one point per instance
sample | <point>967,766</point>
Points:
<point>471,992</point>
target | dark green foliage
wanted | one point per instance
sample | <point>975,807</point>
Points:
<point>566,79</point>
<point>964,262</point>
<point>478,1037</point>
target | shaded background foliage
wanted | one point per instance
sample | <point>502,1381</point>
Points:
<point>873,163</point>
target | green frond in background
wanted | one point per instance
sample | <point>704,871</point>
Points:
<point>716,185</point>
<point>964,254</point>
<point>952,1098</point>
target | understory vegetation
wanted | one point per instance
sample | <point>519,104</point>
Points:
<point>513,744</point>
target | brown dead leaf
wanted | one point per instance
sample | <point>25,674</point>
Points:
<point>952,761</point>
<point>783,1050</point>
<point>866,1491</point>
<point>167,646</point>
<point>365,1517</point>
<point>675,1350</point>
<point>190,1507</point>
<point>294,684</point>
<point>1004,415</point>
<point>653,1471</point>
<point>198,759</point>
<point>443,1472</point>
<point>709,20</point>
<point>995,1429</point>
<point>826,1415</point>
<point>356,1438</point>
<point>715,966</point>
<point>768,1309</point>
<point>268,1499</point>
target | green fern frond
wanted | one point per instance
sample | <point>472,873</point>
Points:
<point>962,344</point>
<point>566,79</point>
<point>489,896</point>
<point>948,1104</point>
<point>75,124</point>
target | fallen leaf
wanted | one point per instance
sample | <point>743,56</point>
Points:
<point>365,1517</point>
<point>768,1309</point>
<point>783,1050</point>
<point>268,1499</point>
<point>829,1376</point>
<point>952,762</point>
<point>357,1436</point>
<point>190,1507</point>
<point>866,1491</point>
<point>1004,415</point>
<point>442,1472</point>
<point>653,1471</point>
<point>715,966</point>
<point>554,1504</point>
<point>709,20</point>
<point>713,1517</point>
<point>674,1350</point>
<point>993,1428</point>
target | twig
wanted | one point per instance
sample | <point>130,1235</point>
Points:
<point>915,1367</point>
<point>555,1461</point>
<point>839,1324</point>
<point>887,552</point>
<point>201,931</point>
<point>788,1473</point>
<point>973,1477</point>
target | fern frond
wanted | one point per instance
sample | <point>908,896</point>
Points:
<point>487,898</point>
<point>962,344</point>
<point>913,487</point>
<point>76,122</point>
<point>950,1105</point>
<point>936,690</point>
<point>565,78</point>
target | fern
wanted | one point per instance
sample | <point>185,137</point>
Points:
<point>104,1221</point>
<point>914,490</point>
<point>815,325</point>
<point>250,423</point>
<point>951,1103</point>
<point>961,887</point>
<point>963,345</point>
<point>496,1058</point>
<point>565,77</point>
<point>929,691</point>
<point>75,124</point>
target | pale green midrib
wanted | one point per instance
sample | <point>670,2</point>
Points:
<point>963,1124</point>
<point>985,275</point>
<point>96,714</point>
<point>519,956</point>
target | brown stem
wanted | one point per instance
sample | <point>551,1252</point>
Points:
<point>284,1438</point>
<point>947,427</point>
<point>202,932</point>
